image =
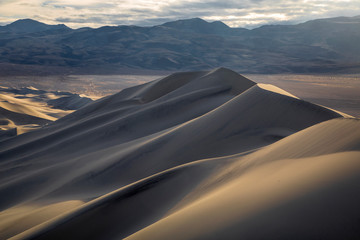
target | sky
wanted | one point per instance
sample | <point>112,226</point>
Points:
<point>244,13</point>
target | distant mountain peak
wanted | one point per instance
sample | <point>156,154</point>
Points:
<point>25,20</point>
<point>185,22</point>
<point>199,25</point>
<point>29,26</point>
<point>191,21</point>
<point>25,23</point>
<point>220,23</point>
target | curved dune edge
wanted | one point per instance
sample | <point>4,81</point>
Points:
<point>229,211</point>
<point>278,90</point>
<point>180,153</point>
<point>345,115</point>
<point>18,219</point>
<point>273,88</point>
<point>177,175</point>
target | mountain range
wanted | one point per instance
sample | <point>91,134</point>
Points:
<point>322,45</point>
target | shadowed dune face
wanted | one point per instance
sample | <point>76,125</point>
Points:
<point>196,155</point>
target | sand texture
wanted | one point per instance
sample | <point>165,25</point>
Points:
<point>194,155</point>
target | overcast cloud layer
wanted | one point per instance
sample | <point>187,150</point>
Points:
<point>244,13</point>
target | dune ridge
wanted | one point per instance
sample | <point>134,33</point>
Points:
<point>195,155</point>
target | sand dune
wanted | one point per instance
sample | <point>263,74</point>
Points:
<point>295,195</point>
<point>25,109</point>
<point>197,155</point>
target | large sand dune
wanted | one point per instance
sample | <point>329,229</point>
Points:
<point>197,155</point>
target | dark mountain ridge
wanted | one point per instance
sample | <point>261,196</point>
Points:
<point>322,45</point>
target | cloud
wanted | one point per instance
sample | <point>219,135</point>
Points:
<point>246,13</point>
